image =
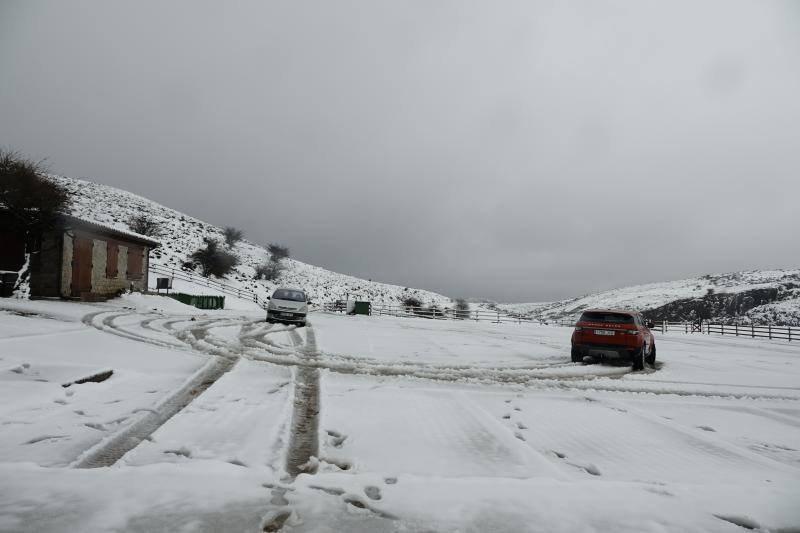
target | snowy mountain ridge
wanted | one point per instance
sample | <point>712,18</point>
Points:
<point>752,296</point>
<point>182,234</point>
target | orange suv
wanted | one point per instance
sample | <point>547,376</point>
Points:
<point>614,334</point>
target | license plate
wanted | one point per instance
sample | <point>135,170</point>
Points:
<point>287,314</point>
<point>603,332</point>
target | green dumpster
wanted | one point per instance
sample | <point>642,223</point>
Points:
<point>199,301</point>
<point>362,308</point>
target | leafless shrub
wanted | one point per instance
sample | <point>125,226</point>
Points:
<point>212,260</point>
<point>270,271</point>
<point>144,225</point>
<point>232,235</point>
<point>31,200</point>
<point>278,252</point>
<point>461,308</point>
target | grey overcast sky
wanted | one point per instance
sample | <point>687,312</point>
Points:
<point>514,150</point>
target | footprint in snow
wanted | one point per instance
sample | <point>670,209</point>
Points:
<point>390,480</point>
<point>520,425</point>
<point>45,438</point>
<point>588,468</point>
<point>183,451</point>
<point>707,428</point>
<point>372,492</point>
<point>335,438</point>
<point>506,416</point>
<point>519,436</point>
<point>333,491</point>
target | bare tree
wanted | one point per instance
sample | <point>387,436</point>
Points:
<point>461,308</point>
<point>31,200</point>
<point>212,260</point>
<point>232,235</point>
<point>278,252</point>
<point>270,271</point>
<point>411,301</point>
<point>144,225</point>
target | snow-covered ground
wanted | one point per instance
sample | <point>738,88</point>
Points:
<point>395,425</point>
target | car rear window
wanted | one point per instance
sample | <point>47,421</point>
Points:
<point>612,318</point>
<point>294,296</point>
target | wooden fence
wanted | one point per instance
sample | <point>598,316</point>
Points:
<point>206,282</point>
<point>477,315</point>
<point>787,333</point>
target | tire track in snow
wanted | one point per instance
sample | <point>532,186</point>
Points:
<point>304,435</point>
<point>109,450</point>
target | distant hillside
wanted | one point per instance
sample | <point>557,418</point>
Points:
<point>754,296</point>
<point>183,234</point>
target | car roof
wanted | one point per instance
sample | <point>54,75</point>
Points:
<point>289,289</point>
<point>621,311</point>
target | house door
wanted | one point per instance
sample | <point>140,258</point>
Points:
<point>81,265</point>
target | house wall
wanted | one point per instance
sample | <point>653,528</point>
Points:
<point>66,265</point>
<point>44,266</point>
<point>102,284</point>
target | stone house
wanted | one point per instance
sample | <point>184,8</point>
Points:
<point>80,259</point>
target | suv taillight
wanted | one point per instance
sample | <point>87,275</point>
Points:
<point>578,328</point>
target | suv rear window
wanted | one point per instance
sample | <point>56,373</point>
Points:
<point>293,296</point>
<point>612,318</point>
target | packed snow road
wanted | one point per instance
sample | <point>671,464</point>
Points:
<point>221,422</point>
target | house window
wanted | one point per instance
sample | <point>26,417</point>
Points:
<point>135,262</point>
<point>112,255</point>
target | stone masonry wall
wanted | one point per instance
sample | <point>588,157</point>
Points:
<point>66,266</point>
<point>109,286</point>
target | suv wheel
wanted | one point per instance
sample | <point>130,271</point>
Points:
<point>638,359</point>
<point>576,355</point>
<point>651,358</point>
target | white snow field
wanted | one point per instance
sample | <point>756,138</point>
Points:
<point>217,421</point>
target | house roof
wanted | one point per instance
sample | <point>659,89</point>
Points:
<point>81,223</point>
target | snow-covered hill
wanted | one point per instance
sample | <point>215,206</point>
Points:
<point>758,296</point>
<point>182,234</point>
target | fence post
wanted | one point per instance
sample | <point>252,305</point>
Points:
<point>663,330</point>
<point>770,332</point>
<point>722,328</point>
<point>737,329</point>
<point>498,317</point>
<point>752,330</point>
<point>789,329</point>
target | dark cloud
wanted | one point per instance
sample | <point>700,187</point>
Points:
<point>516,151</point>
